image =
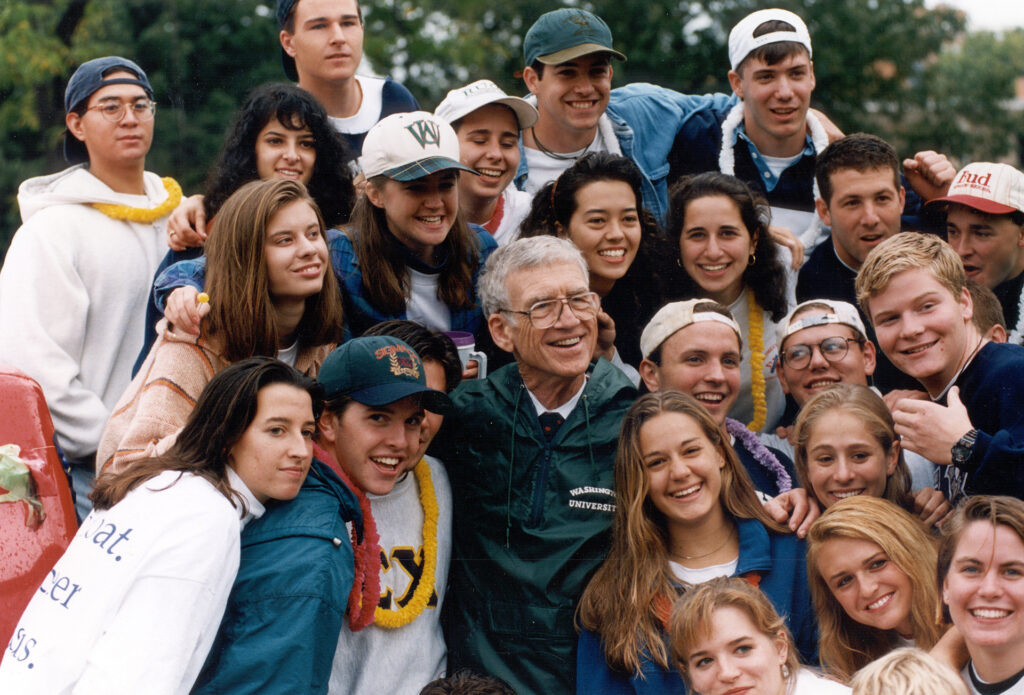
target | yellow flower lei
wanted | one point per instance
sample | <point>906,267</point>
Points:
<point>145,215</point>
<point>756,335</point>
<point>403,616</point>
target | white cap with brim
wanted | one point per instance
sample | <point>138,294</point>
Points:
<point>842,313</point>
<point>465,100</point>
<point>676,316</point>
<point>742,40</point>
<point>409,146</point>
<point>997,189</point>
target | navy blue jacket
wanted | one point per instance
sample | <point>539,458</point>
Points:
<point>992,389</point>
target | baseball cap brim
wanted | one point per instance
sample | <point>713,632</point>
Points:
<point>382,394</point>
<point>425,167</point>
<point>983,204</point>
<point>573,52</point>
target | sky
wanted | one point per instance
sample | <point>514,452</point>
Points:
<point>992,15</point>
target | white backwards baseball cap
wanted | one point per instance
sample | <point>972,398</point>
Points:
<point>465,100</point>
<point>409,146</point>
<point>676,316</point>
<point>997,189</point>
<point>742,40</point>
<point>842,313</point>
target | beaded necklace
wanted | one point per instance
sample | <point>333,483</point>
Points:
<point>145,215</point>
<point>392,619</point>
<point>755,323</point>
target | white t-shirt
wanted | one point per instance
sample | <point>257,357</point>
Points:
<point>369,110</point>
<point>543,167</point>
<point>810,683</point>
<point>134,604</point>
<point>704,574</point>
<point>968,674</point>
<point>423,306</point>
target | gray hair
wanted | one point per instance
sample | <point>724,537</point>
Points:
<point>521,254</point>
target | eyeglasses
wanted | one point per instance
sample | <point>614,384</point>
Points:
<point>832,349</point>
<point>545,313</point>
<point>113,111</point>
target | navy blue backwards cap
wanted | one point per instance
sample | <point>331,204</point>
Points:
<point>86,80</point>
<point>377,370</point>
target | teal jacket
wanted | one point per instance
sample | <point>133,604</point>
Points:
<point>287,607</point>
<point>532,522</point>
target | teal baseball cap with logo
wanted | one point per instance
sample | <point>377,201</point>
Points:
<point>377,370</point>
<point>563,35</point>
<point>411,145</point>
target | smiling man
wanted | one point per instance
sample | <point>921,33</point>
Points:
<point>985,226</point>
<point>321,49</point>
<point>74,287</point>
<point>530,454</point>
<point>568,69</point>
<point>861,201</point>
<point>771,137</point>
<point>913,287</point>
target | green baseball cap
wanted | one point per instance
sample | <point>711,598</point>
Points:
<point>377,370</point>
<point>563,35</point>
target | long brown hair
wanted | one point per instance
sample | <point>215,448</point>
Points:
<point>620,601</point>
<point>225,409</point>
<point>242,314</point>
<point>846,645</point>
<point>385,276</point>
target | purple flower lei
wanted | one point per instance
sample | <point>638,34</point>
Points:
<point>760,452</point>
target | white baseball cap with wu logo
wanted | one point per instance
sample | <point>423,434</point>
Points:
<point>997,189</point>
<point>409,146</point>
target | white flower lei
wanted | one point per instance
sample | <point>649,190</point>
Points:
<point>727,157</point>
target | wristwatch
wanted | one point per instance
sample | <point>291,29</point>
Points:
<point>964,447</point>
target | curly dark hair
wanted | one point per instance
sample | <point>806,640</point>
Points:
<point>295,108</point>
<point>767,277</point>
<point>645,286</point>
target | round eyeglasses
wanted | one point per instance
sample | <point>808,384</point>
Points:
<point>832,349</point>
<point>113,111</point>
<point>546,312</point>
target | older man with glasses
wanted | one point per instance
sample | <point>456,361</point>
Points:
<point>530,454</point>
<point>74,286</point>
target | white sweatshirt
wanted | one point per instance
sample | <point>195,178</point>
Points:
<point>73,293</point>
<point>135,602</point>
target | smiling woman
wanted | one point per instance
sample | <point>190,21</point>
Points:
<point>685,512</point>
<point>270,294</point>
<point>141,589</point>
<point>871,568</point>
<point>981,570</point>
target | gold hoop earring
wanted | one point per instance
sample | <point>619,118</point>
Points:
<point>752,259</point>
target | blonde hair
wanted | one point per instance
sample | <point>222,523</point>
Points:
<point>908,671</point>
<point>621,602</point>
<point>846,645</point>
<point>866,405</point>
<point>909,251</point>
<point>693,612</point>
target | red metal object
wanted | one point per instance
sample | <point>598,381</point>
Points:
<point>26,554</point>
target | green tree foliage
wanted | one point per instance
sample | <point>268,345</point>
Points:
<point>967,99</point>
